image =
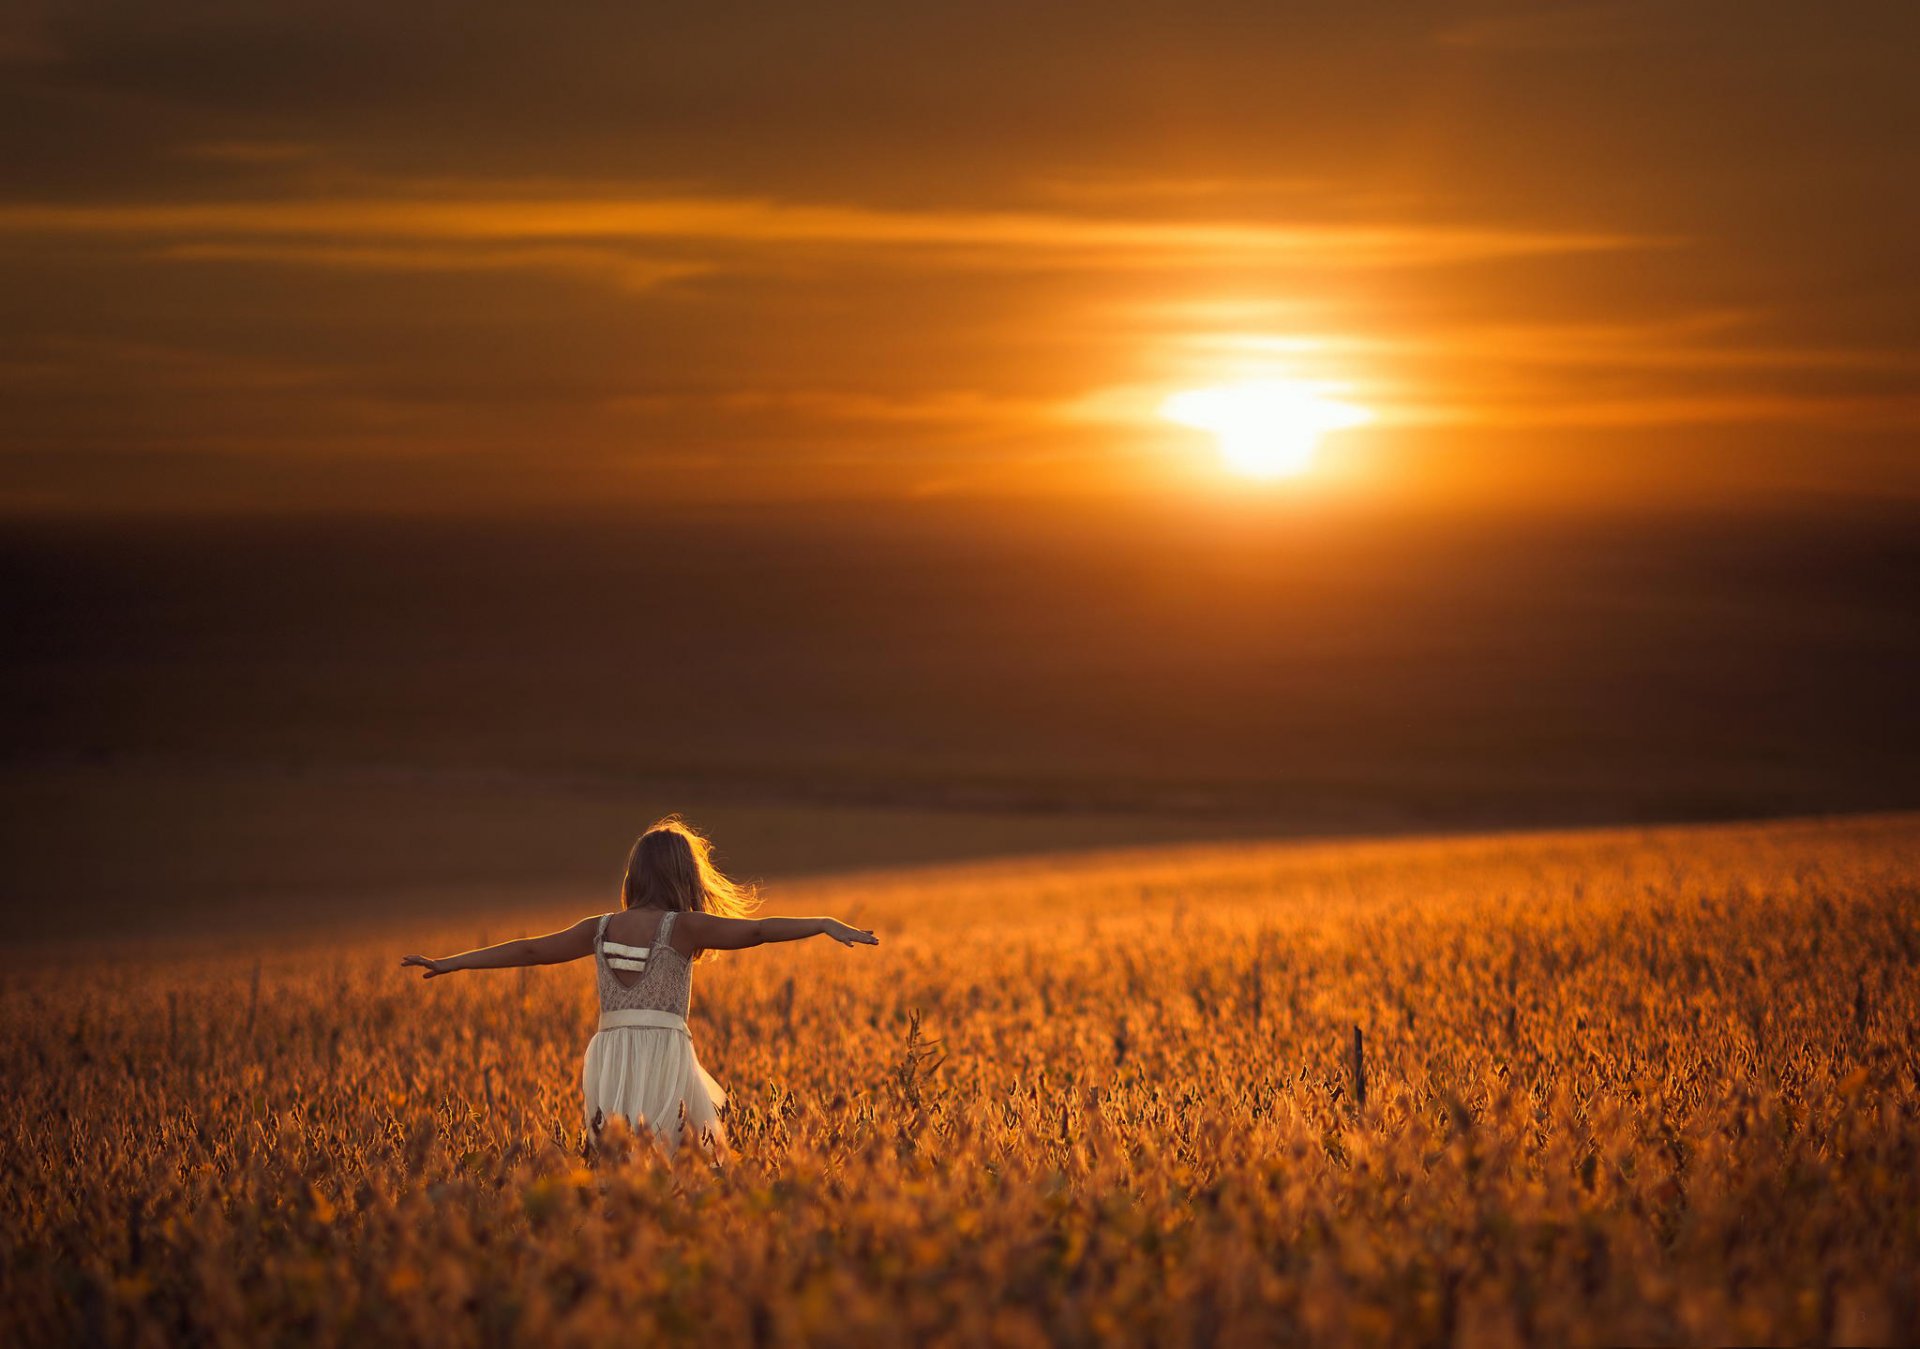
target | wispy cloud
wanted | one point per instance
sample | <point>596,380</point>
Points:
<point>82,362</point>
<point>750,222</point>
<point>265,152</point>
<point>933,407</point>
<point>1827,412</point>
<point>628,271</point>
<point>1706,341</point>
<point>1707,367</point>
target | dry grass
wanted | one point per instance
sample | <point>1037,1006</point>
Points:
<point>1647,1087</point>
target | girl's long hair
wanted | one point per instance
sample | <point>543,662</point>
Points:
<point>671,867</point>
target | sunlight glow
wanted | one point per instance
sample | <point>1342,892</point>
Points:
<point>1265,428</point>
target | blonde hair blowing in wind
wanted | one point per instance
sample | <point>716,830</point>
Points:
<point>671,867</point>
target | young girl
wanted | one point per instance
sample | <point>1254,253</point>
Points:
<point>677,906</point>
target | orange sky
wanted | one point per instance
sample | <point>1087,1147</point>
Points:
<point>268,255</point>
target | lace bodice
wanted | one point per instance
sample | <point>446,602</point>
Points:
<point>666,977</point>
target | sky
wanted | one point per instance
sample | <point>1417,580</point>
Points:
<point>260,256</point>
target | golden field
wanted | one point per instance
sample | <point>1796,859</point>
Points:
<point>1651,1086</point>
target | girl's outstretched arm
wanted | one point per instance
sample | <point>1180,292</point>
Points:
<point>556,948</point>
<point>709,932</point>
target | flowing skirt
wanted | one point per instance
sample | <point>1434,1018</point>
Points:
<point>642,1066</point>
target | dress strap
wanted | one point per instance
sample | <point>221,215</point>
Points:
<point>664,933</point>
<point>600,933</point>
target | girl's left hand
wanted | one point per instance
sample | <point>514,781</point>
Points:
<point>429,964</point>
<point>848,935</point>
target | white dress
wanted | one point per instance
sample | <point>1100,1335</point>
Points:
<point>641,1064</point>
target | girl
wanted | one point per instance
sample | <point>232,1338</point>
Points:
<point>677,906</point>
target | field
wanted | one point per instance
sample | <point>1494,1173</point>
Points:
<point>216,721</point>
<point>1643,1086</point>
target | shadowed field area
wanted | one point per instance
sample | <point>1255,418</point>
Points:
<point>1635,1086</point>
<point>225,725</point>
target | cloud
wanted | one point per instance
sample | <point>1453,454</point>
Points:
<point>1836,412</point>
<point>1689,342</point>
<point>80,363</point>
<point>768,223</point>
<point>250,152</point>
<point>935,407</point>
<point>1692,368</point>
<point>625,270</point>
<point>586,236</point>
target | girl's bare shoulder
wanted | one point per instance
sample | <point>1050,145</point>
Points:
<point>693,931</point>
<point>634,927</point>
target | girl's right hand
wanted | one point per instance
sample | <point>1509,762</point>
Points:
<point>849,936</point>
<point>431,966</point>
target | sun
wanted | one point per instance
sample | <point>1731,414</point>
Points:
<point>1266,428</point>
